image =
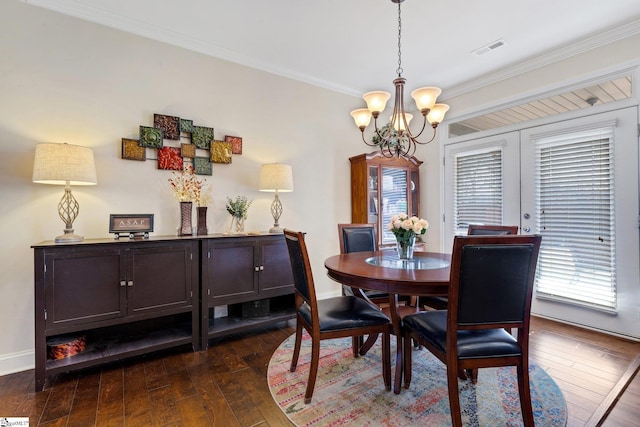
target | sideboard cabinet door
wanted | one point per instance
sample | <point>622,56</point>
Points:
<point>159,278</point>
<point>275,268</point>
<point>83,287</point>
<point>231,273</point>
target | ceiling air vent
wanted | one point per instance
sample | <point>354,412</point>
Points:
<point>488,48</point>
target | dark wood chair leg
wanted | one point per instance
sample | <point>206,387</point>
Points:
<point>313,369</point>
<point>371,340</point>
<point>454,397</point>
<point>397,382</point>
<point>407,360</point>
<point>296,346</point>
<point>525,394</point>
<point>472,374</point>
<point>386,360</point>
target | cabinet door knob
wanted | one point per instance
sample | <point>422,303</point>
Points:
<point>256,268</point>
<point>130,283</point>
<point>123,283</point>
<point>261,267</point>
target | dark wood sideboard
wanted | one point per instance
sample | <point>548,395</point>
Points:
<point>131,297</point>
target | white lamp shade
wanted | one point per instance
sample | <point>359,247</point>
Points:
<point>362,117</point>
<point>436,115</point>
<point>276,177</point>
<point>62,163</point>
<point>376,100</point>
<point>425,97</point>
<point>398,123</point>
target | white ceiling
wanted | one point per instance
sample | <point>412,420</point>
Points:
<point>351,45</point>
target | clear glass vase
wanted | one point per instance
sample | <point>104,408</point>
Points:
<point>239,224</point>
<point>404,247</point>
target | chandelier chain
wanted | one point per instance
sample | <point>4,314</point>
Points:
<point>399,69</point>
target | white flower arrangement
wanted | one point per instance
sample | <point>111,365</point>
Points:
<point>404,227</point>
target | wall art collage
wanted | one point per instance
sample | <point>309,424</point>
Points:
<point>176,139</point>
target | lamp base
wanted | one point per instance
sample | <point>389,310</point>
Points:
<point>276,229</point>
<point>69,238</point>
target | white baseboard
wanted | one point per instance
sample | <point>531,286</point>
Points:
<point>17,362</point>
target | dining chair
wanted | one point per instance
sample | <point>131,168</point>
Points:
<point>491,285</point>
<point>491,230</point>
<point>360,238</point>
<point>337,317</point>
<point>440,302</point>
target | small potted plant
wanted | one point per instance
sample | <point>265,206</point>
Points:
<point>238,208</point>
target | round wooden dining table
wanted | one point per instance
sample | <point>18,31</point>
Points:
<point>426,275</point>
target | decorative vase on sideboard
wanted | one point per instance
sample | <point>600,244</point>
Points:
<point>202,220</point>
<point>185,219</point>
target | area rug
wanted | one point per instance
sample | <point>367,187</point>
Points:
<point>351,391</point>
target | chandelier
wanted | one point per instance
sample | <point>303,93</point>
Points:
<point>395,138</point>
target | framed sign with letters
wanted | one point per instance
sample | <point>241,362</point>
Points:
<point>133,225</point>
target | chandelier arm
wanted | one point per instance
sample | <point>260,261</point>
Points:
<point>415,137</point>
<point>365,141</point>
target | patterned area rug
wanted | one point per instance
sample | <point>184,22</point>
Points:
<point>351,392</point>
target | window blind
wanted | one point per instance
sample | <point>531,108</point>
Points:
<point>574,184</point>
<point>394,198</point>
<point>478,189</point>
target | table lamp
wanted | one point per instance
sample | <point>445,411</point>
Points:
<point>276,177</point>
<point>65,164</point>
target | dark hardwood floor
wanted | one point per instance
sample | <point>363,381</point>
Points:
<point>226,385</point>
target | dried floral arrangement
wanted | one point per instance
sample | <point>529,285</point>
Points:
<point>187,187</point>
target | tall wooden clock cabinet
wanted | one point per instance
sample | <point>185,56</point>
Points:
<point>382,187</point>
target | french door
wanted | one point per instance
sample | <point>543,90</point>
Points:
<point>576,183</point>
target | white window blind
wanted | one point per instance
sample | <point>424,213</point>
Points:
<point>478,189</point>
<point>575,214</point>
<point>394,198</point>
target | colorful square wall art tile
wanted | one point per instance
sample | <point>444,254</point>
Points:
<point>202,137</point>
<point>188,150</point>
<point>220,152</point>
<point>202,166</point>
<point>170,125</point>
<point>236,143</point>
<point>186,126</point>
<point>132,150</point>
<point>150,137</point>
<point>169,158</point>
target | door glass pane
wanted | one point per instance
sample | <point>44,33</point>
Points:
<point>478,189</point>
<point>394,198</point>
<point>576,217</point>
<point>373,195</point>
